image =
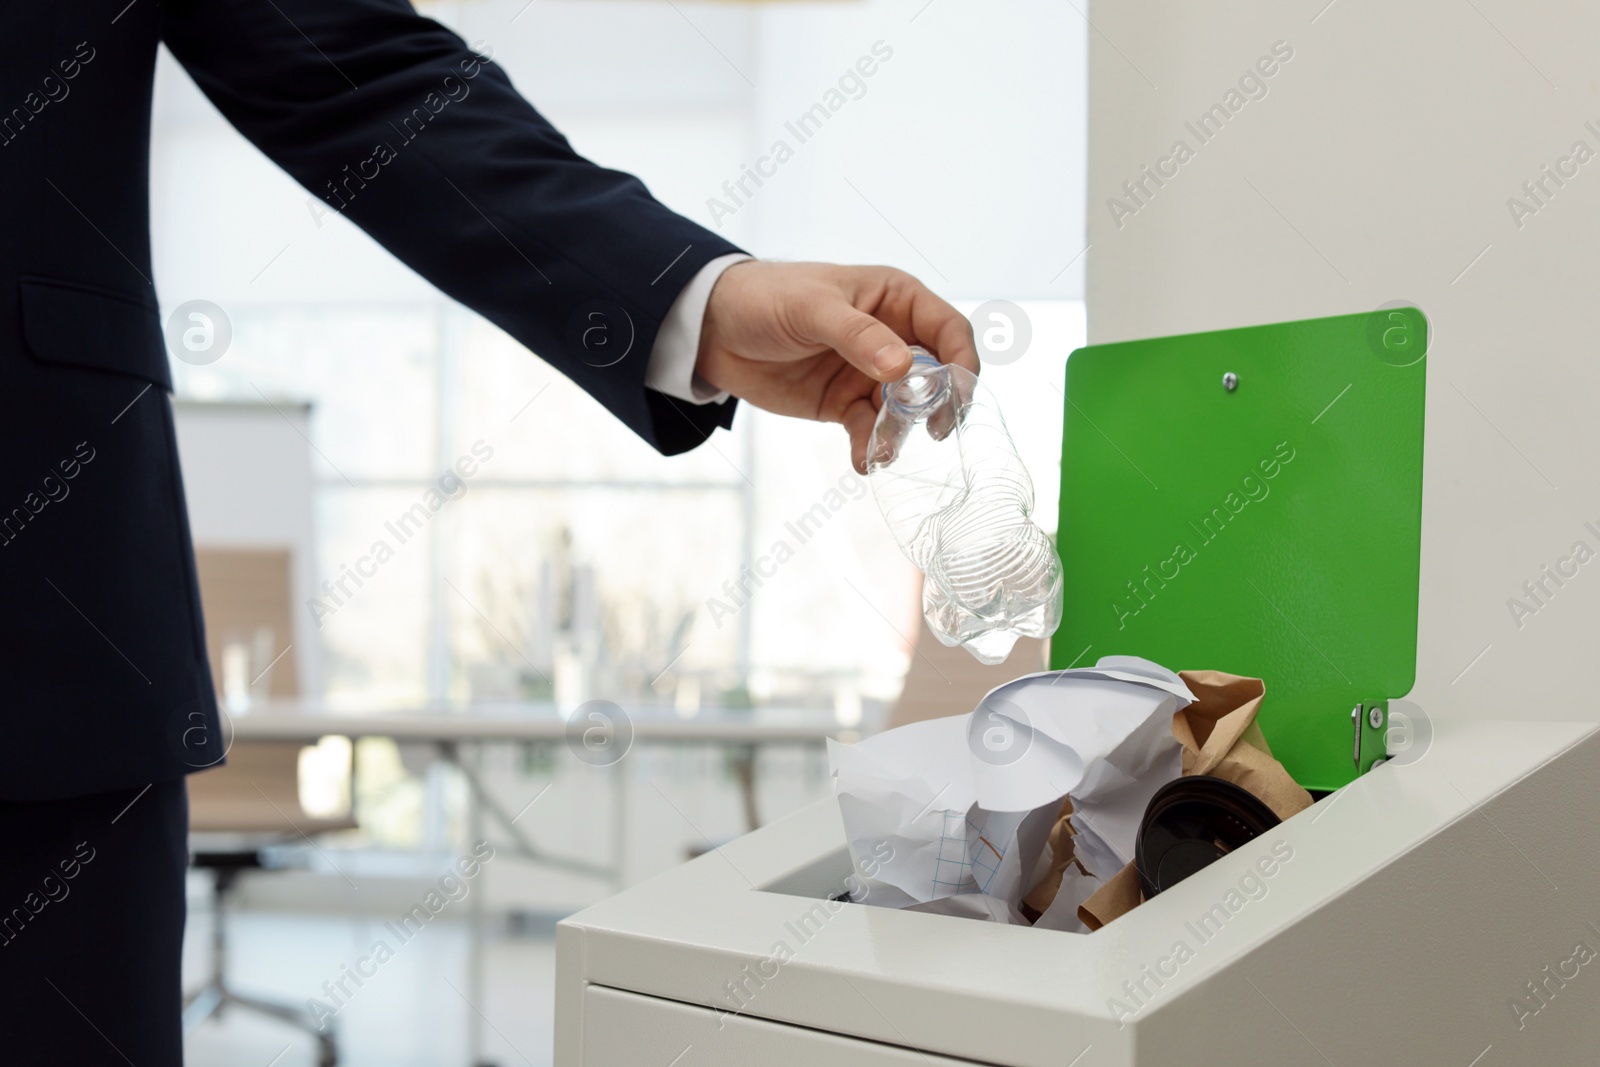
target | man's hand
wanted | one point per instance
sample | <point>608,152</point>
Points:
<point>814,340</point>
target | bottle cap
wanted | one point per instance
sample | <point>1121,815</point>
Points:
<point>922,388</point>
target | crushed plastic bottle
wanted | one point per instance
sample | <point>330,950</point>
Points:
<point>958,500</point>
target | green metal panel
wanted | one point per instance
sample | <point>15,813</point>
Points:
<point>1271,530</point>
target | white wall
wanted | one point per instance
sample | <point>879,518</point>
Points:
<point>962,160</point>
<point>1382,160</point>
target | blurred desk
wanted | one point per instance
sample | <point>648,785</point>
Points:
<point>459,733</point>
<point>449,728</point>
<point>299,721</point>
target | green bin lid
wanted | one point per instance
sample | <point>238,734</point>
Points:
<point>1250,501</point>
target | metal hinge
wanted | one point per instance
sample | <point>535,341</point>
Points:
<point>1369,723</point>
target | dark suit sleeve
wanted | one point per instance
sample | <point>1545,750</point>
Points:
<point>395,123</point>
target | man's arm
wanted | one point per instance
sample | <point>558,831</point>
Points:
<point>395,123</point>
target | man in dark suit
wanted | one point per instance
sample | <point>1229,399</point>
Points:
<point>424,144</point>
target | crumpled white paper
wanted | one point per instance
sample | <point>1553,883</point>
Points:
<point>967,802</point>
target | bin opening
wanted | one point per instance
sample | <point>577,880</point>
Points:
<point>826,877</point>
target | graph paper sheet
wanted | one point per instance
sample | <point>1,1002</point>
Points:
<point>968,859</point>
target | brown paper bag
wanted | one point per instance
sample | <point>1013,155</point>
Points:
<point>1220,737</point>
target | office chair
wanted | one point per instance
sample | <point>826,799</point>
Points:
<point>243,813</point>
<point>252,807</point>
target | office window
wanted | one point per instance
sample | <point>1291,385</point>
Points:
<point>573,561</point>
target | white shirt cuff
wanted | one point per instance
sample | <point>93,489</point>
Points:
<point>672,359</point>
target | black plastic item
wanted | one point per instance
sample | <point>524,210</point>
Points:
<point>1191,823</point>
